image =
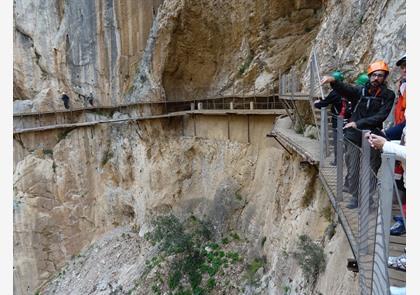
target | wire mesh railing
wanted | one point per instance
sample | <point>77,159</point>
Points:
<point>261,101</point>
<point>363,184</point>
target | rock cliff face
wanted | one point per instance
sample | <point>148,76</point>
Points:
<point>91,180</point>
<point>204,47</point>
<point>68,197</point>
<point>355,33</point>
<point>77,47</point>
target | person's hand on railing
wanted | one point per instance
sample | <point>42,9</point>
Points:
<point>376,141</point>
<point>327,79</point>
<point>350,125</point>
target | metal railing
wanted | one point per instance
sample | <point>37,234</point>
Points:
<point>363,185</point>
<point>76,117</point>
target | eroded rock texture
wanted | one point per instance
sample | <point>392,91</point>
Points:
<point>70,188</point>
<point>77,47</point>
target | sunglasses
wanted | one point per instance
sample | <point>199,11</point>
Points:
<point>377,75</point>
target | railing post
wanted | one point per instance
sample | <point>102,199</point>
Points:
<point>383,223</point>
<point>364,185</point>
<point>312,93</point>
<point>291,85</point>
<point>323,135</point>
<point>326,138</point>
<point>294,82</point>
<point>311,79</point>
<point>283,85</point>
<point>363,214</point>
<point>339,158</point>
<point>386,192</point>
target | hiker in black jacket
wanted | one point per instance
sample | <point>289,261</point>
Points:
<point>372,105</point>
<point>339,105</point>
<point>65,100</point>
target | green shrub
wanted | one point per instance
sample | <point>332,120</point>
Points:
<point>156,289</point>
<point>47,151</point>
<point>252,269</point>
<point>106,157</point>
<point>63,134</point>
<point>309,194</point>
<point>211,283</point>
<point>245,65</point>
<point>235,236</point>
<point>311,258</point>
<point>174,279</point>
<point>264,239</point>
<point>234,256</point>
<point>186,242</point>
<point>328,213</point>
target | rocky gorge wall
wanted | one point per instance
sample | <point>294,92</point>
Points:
<point>77,47</point>
<point>116,51</point>
<point>91,180</point>
<point>65,199</point>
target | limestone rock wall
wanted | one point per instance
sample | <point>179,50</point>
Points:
<point>125,174</point>
<point>200,48</point>
<point>91,180</point>
<point>195,48</point>
<point>355,33</point>
<point>77,47</point>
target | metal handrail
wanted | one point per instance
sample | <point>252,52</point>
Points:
<point>375,192</point>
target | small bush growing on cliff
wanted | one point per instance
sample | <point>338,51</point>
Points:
<point>310,257</point>
<point>328,213</point>
<point>63,134</point>
<point>195,258</point>
<point>252,268</point>
<point>106,157</point>
<point>309,194</point>
<point>245,65</point>
<point>48,152</point>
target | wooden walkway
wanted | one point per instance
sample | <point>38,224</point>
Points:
<point>255,104</point>
<point>226,99</point>
<point>306,147</point>
<point>152,117</point>
<point>309,150</point>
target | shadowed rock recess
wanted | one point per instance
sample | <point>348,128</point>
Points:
<point>87,200</point>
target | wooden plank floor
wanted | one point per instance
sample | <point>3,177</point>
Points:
<point>306,147</point>
<point>348,217</point>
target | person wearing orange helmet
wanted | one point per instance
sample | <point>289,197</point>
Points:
<point>372,104</point>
